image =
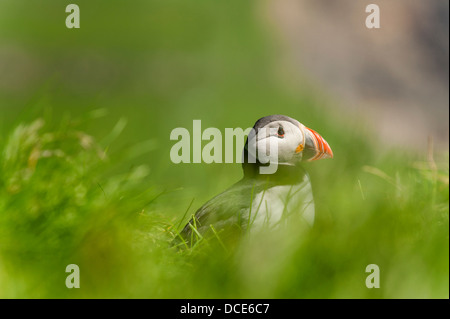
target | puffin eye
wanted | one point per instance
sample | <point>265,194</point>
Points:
<point>280,132</point>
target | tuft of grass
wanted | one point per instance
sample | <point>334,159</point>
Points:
<point>59,205</point>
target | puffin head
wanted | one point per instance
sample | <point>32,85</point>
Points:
<point>281,140</point>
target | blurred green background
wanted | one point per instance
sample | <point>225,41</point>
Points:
<point>85,120</point>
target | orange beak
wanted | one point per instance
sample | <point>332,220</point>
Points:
<point>321,146</point>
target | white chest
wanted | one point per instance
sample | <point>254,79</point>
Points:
<point>277,204</point>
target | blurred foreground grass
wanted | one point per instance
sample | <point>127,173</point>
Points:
<point>62,202</point>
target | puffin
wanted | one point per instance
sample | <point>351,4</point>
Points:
<point>262,200</point>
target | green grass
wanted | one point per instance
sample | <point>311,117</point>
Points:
<point>86,177</point>
<point>62,202</point>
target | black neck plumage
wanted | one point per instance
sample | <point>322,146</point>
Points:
<point>285,174</point>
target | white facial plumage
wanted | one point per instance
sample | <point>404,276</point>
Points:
<point>277,142</point>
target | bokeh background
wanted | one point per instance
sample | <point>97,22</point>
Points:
<point>86,115</point>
